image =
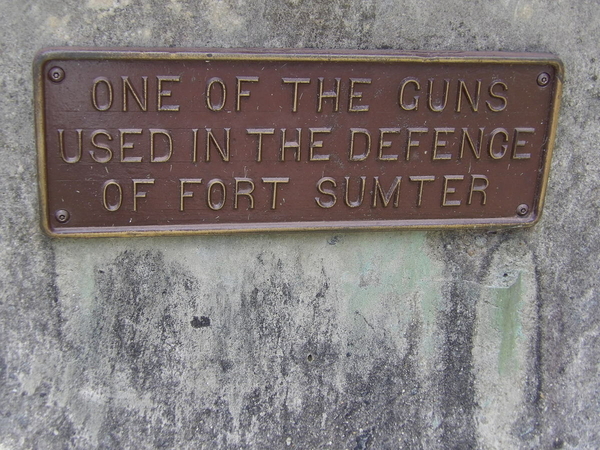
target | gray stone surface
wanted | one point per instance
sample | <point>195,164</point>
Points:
<point>305,340</point>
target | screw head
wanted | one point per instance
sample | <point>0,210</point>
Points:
<point>543,79</point>
<point>62,215</point>
<point>522,209</point>
<point>56,74</point>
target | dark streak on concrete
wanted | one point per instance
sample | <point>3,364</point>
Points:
<point>528,427</point>
<point>456,319</point>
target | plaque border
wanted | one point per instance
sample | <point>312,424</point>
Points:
<point>272,55</point>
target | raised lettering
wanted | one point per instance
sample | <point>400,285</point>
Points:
<point>209,194</point>
<point>361,193</point>
<point>114,206</point>
<point>295,82</point>
<point>61,147</point>
<point>330,192</point>
<point>169,141</point>
<point>476,149</point>
<point>275,181</point>
<point>494,154</point>
<point>295,145</point>
<point>353,133</point>
<point>415,104</point>
<point>450,190</point>
<point>421,180</point>
<point>99,146</point>
<point>109,94</point>
<point>520,143</point>
<point>128,145</point>
<point>241,92</point>
<point>479,187</point>
<point>317,144</point>
<point>437,144</point>
<point>142,194</point>
<point>166,93</point>
<point>209,90</point>
<point>260,132</point>
<point>413,144</point>
<point>387,196</point>
<point>127,87</point>
<point>210,138</point>
<point>473,101</point>
<point>245,191</point>
<point>386,144</point>
<point>335,95</point>
<point>498,96</point>
<point>195,145</point>
<point>357,95</point>
<point>183,193</point>
<point>438,106</point>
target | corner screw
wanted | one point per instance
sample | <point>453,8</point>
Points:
<point>543,79</point>
<point>62,215</point>
<point>522,209</point>
<point>56,74</point>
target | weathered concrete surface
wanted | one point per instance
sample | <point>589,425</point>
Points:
<point>304,340</point>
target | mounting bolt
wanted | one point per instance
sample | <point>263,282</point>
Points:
<point>543,79</point>
<point>62,215</point>
<point>56,74</point>
<point>522,209</point>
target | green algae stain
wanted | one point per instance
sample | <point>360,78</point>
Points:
<point>393,265</point>
<point>508,302</point>
<point>394,277</point>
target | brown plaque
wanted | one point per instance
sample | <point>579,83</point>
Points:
<point>182,141</point>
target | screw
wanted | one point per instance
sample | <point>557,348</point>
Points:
<point>56,74</point>
<point>62,215</point>
<point>543,79</point>
<point>522,209</point>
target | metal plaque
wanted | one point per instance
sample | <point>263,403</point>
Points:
<point>170,141</point>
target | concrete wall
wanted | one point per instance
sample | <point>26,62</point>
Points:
<point>316,340</point>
